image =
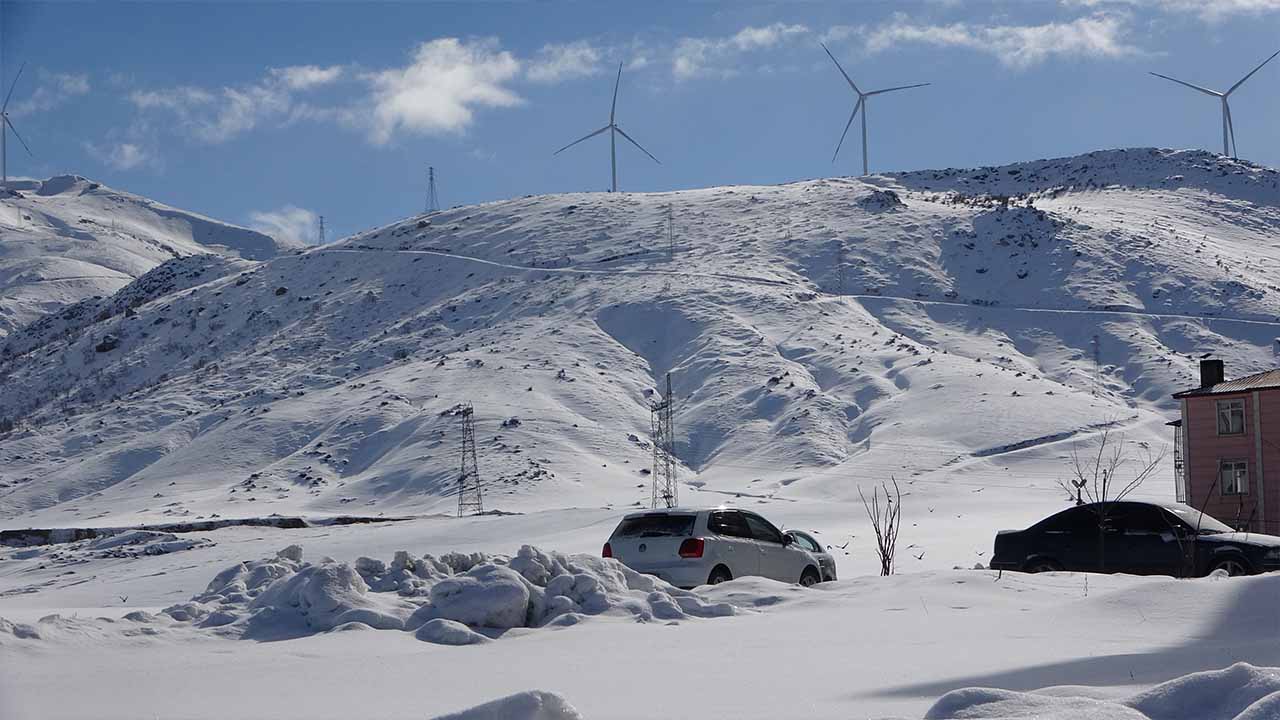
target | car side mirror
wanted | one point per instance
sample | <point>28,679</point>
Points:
<point>787,540</point>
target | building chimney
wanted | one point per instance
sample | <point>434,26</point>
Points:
<point>1211,373</point>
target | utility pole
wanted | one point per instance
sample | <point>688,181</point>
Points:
<point>840,265</point>
<point>1097,366</point>
<point>321,240</point>
<point>664,451</point>
<point>470,499</point>
<point>433,202</point>
<point>671,234</point>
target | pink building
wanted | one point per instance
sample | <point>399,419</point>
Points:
<point>1227,451</point>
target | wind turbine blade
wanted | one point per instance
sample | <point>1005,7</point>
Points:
<point>1206,91</point>
<point>614,107</point>
<point>856,107</point>
<point>11,87</point>
<point>900,87</point>
<point>15,134</point>
<point>633,142</point>
<point>842,72</point>
<point>1231,129</point>
<point>1246,77</point>
<point>587,137</point>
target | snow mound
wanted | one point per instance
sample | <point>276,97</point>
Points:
<point>284,597</point>
<point>536,588</point>
<point>530,705</point>
<point>142,542</point>
<point>1011,705</point>
<point>126,544</point>
<point>1239,692</point>
<point>440,599</point>
<point>449,632</point>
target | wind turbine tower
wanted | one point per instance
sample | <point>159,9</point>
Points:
<point>613,130</point>
<point>861,105</point>
<point>1228,130</point>
<point>6,125</point>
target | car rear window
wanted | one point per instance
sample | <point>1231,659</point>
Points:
<point>655,526</point>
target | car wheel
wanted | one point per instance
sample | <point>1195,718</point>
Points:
<point>1233,566</point>
<point>810,577</point>
<point>1042,565</point>
<point>719,574</point>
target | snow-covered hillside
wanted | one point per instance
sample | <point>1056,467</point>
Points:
<point>67,238</point>
<point>821,336</point>
<point>957,330</point>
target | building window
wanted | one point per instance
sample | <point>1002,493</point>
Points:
<point>1233,475</point>
<point>1230,417</point>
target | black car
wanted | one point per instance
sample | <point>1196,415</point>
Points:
<point>1140,538</point>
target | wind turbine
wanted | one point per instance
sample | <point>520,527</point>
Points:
<point>861,105</point>
<point>1228,130</point>
<point>614,131</point>
<point>5,126</point>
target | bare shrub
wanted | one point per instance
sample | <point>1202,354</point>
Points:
<point>1107,476</point>
<point>886,519</point>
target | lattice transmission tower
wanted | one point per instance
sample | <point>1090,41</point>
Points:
<point>433,202</point>
<point>664,451</point>
<point>320,232</point>
<point>470,498</point>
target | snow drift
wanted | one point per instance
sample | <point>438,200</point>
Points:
<point>451,600</point>
<point>531,705</point>
<point>1240,692</point>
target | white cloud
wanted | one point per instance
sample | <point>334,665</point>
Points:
<point>700,57</point>
<point>303,77</point>
<point>440,89</point>
<point>122,155</point>
<point>555,63</point>
<point>1018,46</point>
<point>287,223</point>
<point>52,89</point>
<point>215,116</point>
<point>1209,10</point>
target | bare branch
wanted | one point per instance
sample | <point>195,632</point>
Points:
<point>885,522</point>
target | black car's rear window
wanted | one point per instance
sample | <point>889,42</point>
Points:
<point>656,526</point>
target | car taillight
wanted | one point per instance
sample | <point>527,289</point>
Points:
<point>608,551</point>
<point>692,548</point>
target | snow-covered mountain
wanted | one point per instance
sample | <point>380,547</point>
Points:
<point>67,238</point>
<point>954,329</point>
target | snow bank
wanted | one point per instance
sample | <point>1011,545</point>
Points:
<point>144,542</point>
<point>443,600</point>
<point>530,705</point>
<point>1240,692</point>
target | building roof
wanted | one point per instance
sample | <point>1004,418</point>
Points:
<point>1269,380</point>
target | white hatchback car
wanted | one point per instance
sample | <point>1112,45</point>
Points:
<point>688,548</point>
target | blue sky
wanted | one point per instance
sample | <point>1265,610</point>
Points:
<point>268,115</point>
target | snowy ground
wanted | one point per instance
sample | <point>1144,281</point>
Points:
<point>822,337</point>
<point>863,647</point>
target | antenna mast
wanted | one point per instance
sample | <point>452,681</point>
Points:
<point>470,500</point>
<point>664,451</point>
<point>321,241</point>
<point>433,202</point>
